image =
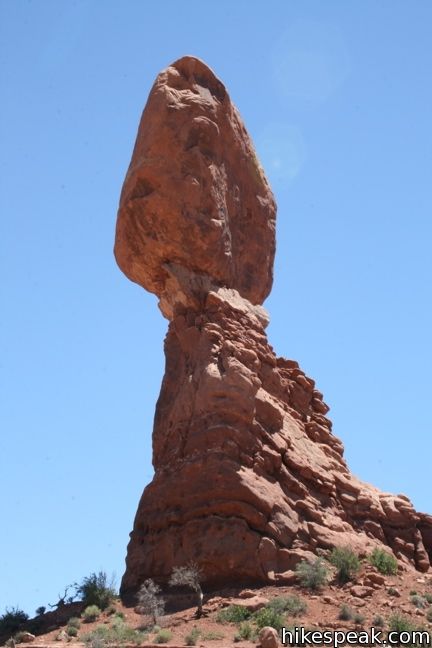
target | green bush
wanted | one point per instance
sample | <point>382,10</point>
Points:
<point>392,591</point>
<point>246,632</point>
<point>97,590</point>
<point>428,598</point>
<point>292,605</point>
<point>346,562</point>
<point>312,575</point>
<point>345,613</point>
<point>192,637</point>
<point>233,614</point>
<point>74,622</point>
<point>163,636</point>
<point>12,620</point>
<point>358,618</point>
<point>268,617</point>
<point>418,601</point>
<point>72,631</point>
<point>398,623</point>
<point>117,634</point>
<point>91,613</point>
<point>385,562</point>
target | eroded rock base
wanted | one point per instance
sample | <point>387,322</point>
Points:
<point>249,478</point>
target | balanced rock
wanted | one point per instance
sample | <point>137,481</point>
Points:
<point>249,478</point>
<point>195,207</point>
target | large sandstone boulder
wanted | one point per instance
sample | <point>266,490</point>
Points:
<point>249,478</point>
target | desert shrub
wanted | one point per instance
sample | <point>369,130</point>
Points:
<point>346,562</point>
<point>74,622</point>
<point>192,637</point>
<point>213,635</point>
<point>295,606</point>
<point>72,631</point>
<point>150,601</point>
<point>246,631</point>
<point>91,613</point>
<point>12,620</point>
<point>312,575</point>
<point>345,613</point>
<point>41,610</point>
<point>429,615</point>
<point>378,621</point>
<point>278,604</point>
<point>190,576</point>
<point>233,614</point>
<point>398,623</point>
<point>418,601</point>
<point>392,591</point>
<point>163,636</point>
<point>268,617</point>
<point>292,605</point>
<point>428,597</point>
<point>96,590</point>
<point>117,621</point>
<point>358,618</point>
<point>117,634</point>
<point>385,562</point>
<point>413,592</point>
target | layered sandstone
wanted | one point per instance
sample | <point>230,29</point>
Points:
<point>248,475</point>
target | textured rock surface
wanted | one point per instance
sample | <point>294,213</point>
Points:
<point>249,478</point>
<point>268,638</point>
<point>195,204</point>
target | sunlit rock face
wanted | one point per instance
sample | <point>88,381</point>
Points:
<point>249,478</point>
<point>195,206</point>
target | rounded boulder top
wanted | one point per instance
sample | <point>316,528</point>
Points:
<point>195,197</point>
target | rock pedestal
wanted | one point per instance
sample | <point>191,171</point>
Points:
<point>249,478</point>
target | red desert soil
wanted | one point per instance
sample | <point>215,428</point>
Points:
<point>322,610</point>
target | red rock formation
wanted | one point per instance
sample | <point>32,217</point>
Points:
<point>248,475</point>
<point>195,205</point>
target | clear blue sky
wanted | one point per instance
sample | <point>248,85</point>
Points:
<point>338,98</point>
